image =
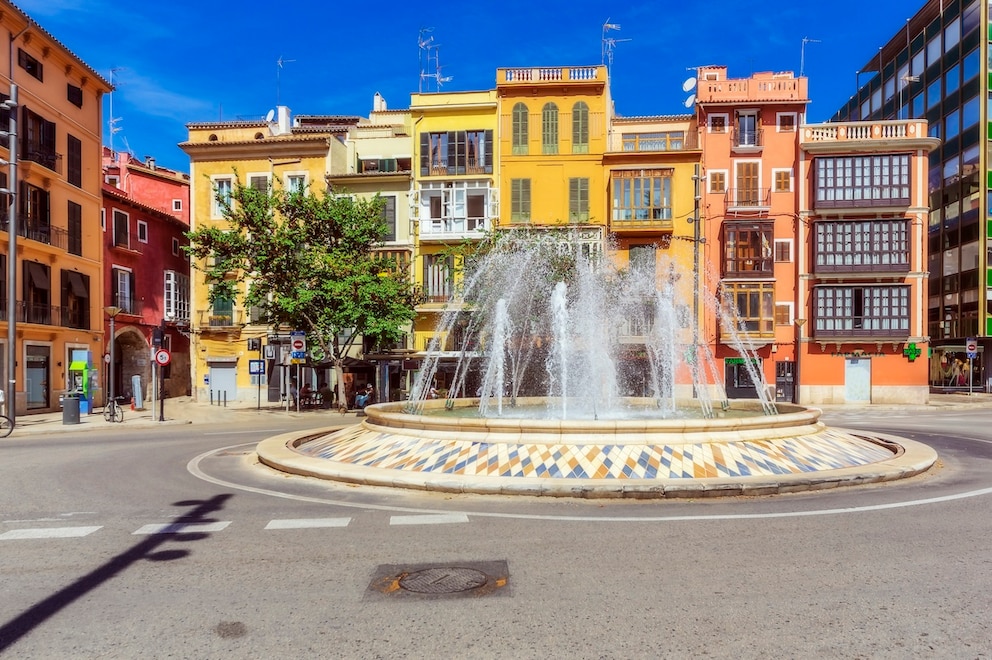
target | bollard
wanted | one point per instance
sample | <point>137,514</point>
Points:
<point>225,398</point>
<point>211,397</point>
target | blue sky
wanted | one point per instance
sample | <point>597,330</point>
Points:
<point>183,61</point>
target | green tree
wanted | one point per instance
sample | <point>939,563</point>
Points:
<point>308,262</point>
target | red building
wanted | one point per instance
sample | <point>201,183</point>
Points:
<point>146,271</point>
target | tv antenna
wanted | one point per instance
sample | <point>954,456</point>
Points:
<point>112,127</point>
<point>279,64</point>
<point>430,67</point>
<point>610,44</point>
<point>802,54</point>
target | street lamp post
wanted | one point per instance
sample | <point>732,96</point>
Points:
<point>112,312</point>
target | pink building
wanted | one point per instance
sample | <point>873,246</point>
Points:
<point>146,271</point>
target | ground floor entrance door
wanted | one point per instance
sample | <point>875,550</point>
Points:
<point>857,380</point>
<point>36,376</point>
<point>224,382</point>
<point>785,381</point>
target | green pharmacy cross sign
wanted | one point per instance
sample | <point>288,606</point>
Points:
<point>912,351</point>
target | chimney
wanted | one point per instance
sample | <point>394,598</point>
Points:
<point>150,162</point>
<point>378,103</point>
<point>283,125</point>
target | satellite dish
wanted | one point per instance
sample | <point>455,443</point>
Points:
<point>689,102</point>
<point>269,117</point>
<point>689,84</point>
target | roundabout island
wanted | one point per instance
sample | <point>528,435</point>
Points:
<point>739,452</point>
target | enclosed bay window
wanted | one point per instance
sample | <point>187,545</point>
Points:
<point>176,299</point>
<point>747,249</point>
<point>750,307</point>
<point>855,311</point>
<point>851,181</point>
<point>862,245</point>
<point>642,194</point>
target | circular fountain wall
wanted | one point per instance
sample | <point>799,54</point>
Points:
<point>639,458</point>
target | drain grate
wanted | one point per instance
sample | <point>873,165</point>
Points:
<point>448,580</point>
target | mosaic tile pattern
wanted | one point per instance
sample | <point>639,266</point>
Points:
<point>827,450</point>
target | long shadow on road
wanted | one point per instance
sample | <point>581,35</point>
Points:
<point>12,631</point>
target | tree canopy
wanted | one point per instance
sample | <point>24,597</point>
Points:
<point>308,262</point>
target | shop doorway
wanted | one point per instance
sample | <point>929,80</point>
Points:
<point>36,376</point>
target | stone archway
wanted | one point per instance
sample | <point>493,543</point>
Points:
<point>131,358</point>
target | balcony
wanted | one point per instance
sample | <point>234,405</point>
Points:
<point>551,75</point>
<point>448,229</point>
<point>762,87</point>
<point>748,198</point>
<point>747,140</point>
<point>42,232</point>
<point>847,136</point>
<point>127,304</point>
<point>218,319</point>
<point>46,158</point>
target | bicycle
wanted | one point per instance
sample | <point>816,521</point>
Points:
<point>113,412</point>
<point>6,426</point>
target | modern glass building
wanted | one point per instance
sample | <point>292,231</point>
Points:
<point>937,68</point>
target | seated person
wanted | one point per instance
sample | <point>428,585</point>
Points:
<point>326,395</point>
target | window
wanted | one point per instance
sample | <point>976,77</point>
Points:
<point>456,152</point>
<point>223,189</point>
<point>750,306</point>
<point>580,128</point>
<point>747,133</point>
<point>455,206</point>
<point>103,219</point>
<point>578,200</point>
<point>35,219</point>
<point>783,250</point>
<point>74,156</point>
<point>783,180</point>
<point>222,312</point>
<point>296,183</point>
<point>718,181</point>
<point>786,122</point>
<point>38,140</point>
<point>747,249</point>
<point>142,231</point>
<point>122,292</point>
<point>112,181</point>
<point>176,301</point>
<point>846,311</point>
<point>74,95</point>
<point>259,182</point>
<point>75,300</point>
<point>519,200</point>
<point>121,229</point>
<point>862,245</point>
<point>388,216</point>
<point>663,141</point>
<point>862,181</point>
<point>177,205</point>
<point>783,313</point>
<point>30,64</point>
<point>717,123</point>
<point>175,247</point>
<point>36,292</point>
<point>438,274</point>
<point>520,129</point>
<point>75,229</point>
<point>549,129</point>
<point>642,195</point>
<point>747,193</point>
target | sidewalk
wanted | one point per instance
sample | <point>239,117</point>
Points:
<point>184,410</point>
<point>178,410</point>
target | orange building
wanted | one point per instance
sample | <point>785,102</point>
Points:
<point>863,205</point>
<point>750,157</point>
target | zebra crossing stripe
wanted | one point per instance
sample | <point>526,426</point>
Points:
<point>429,519</point>
<point>47,533</point>
<point>182,528</point>
<point>304,523</point>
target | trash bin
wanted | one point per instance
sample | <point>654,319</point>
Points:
<point>70,409</point>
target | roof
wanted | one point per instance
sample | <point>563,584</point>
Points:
<point>120,195</point>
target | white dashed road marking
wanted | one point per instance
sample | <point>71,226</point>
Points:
<point>304,523</point>
<point>429,519</point>
<point>182,528</point>
<point>47,533</point>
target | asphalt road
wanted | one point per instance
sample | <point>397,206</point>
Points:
<point>174,543</point>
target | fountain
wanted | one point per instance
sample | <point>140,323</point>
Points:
<point>566,375</point>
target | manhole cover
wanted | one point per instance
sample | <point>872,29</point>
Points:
<point>451,579</point>
<point>443,580</point>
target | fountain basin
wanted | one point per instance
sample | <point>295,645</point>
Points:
<point>641,458</point>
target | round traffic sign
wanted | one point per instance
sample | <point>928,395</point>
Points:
<point>162,357</point>
<point>298,344</point>
<point>972,346</point>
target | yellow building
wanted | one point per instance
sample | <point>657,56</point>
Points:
<point>275,151</point>
<point>455,195</point>
<point>56,176</point>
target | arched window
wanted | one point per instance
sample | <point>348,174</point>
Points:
<point>580,128</point>
<point>520,134</point>
<point>549,129</point>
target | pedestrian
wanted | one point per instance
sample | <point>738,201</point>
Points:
<point>294,392</point>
